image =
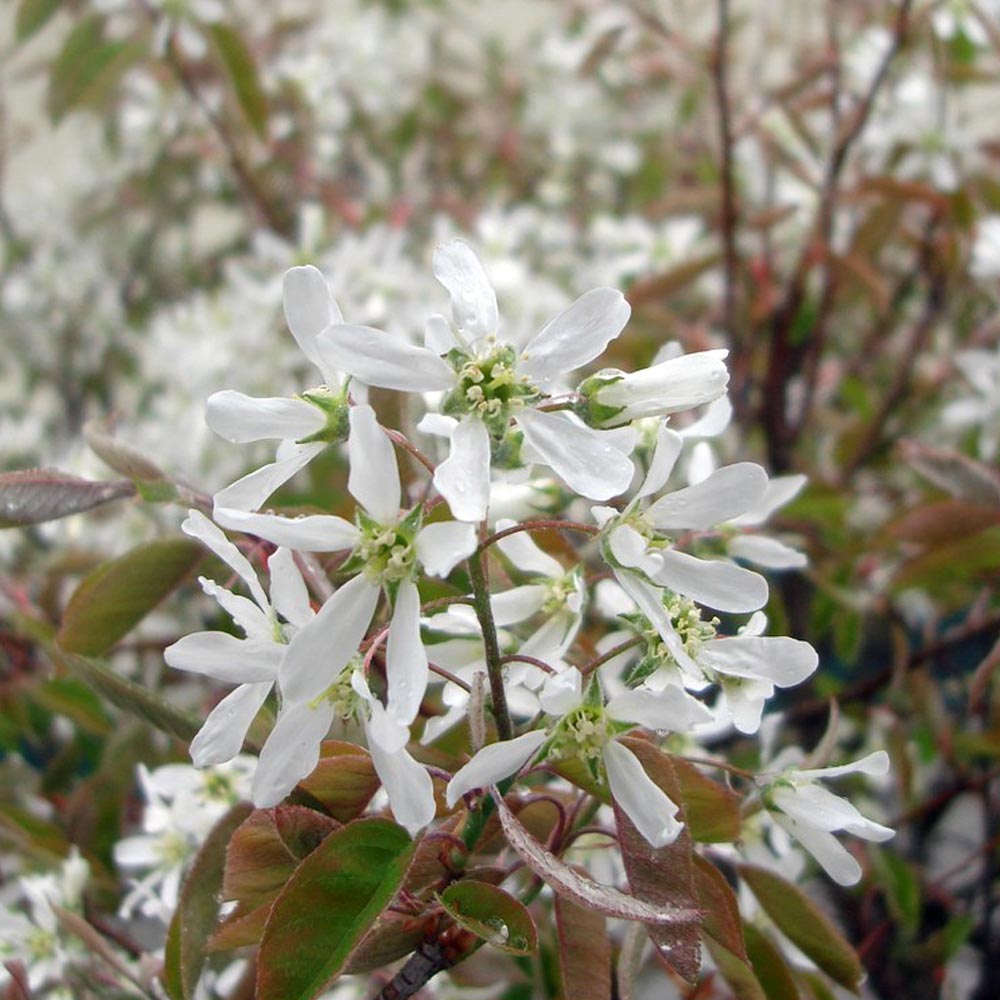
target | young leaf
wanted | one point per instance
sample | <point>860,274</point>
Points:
<point>711,810</point>
<point>584,952</point>
<point>31,496</point>
<point>198,909</point>
<point>116,596</point>
<point>328,905</point>
<point>32,16</point>
<point>491,914</point>
<point>804,924</point>
<point>122,458</point>
<point>736,972</point>
<point>722,912</point>
<point>242,72</point>
<point>344,780</point>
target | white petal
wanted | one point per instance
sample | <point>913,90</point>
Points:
<point>494,763</point>
<point>729,491</point>
<point>832,856</point>
<point>577,335</point>
<point>671,709</point>
<point>437,424</point>
<point>409,787</point>
<point>668,447</point>
<point>522,551</point>
<point>312,533</point>
<point>817,806</point>
<point>291,752</point>
<point>221,737</point>
<point>463,479</point>
<point>226,658</point>
<point>701,463</point>
<point>323,647</point>
<point>473,301</point>
<point>443,545</point>
<point>562,692</point>
<point>240,418</point>
<point>644,802</point>
<point>438,335</point>
<point>309,310</point>
<point>518,603</point>
<point>256,623</point>
<point>780,490</point>
<point>405,658</point>
<point>288,589</point>
<point>253,489</point>
<point>630,549</point>
<point>381,359</point>
<point>198,526</point>
<point>766,552</point>
<point>374,478</point>
<point>581,457</point>
<point>778,659</point>
<point>720,585</point>
<point>382,729</point>
<point>716,419</point>
<point>876,763</point>
<point>744,704</point>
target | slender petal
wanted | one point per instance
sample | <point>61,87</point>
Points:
<point>817,806</point>
<point>581,457</point>
<point>778,659</point>
<point>443,545</point>
<point>720,585</point>
<point>473,301</point>
<point>226,658</point>
<point>562,692</point>
<point>291,752</point>
<point>288,589</point>
<point>522,551</point>
<point>381,359</point>
<point>323,647</point>
<point>630,549</point>
<point>374,478</point>
<point>309,310</point>
<point>221,737</point>
<point>727,492</point>
<point>240,418</point>
<point>646,804</point>
<point>780,490</point>
<point>255,622</point>
<point>250,492</point>
<point>409,787</point>
<point>767,552</point>
<point>463,478</point>
<point>312,533</point>
<point>671,709</point>
<point>438,335</point>
<point>876,763</point>
<point>718,413</point>
<point>668,447</point>
<point>405,658</point>
<point>518,603</point>
<point>494,763</point>
<point>832,856</point>
<point>577,335</point>
<point>198,526</point>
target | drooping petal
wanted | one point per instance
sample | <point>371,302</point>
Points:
<point>581,457</point>
<point>405,656</point>
<point>438,335</point>
<point>522,551</point>
<point>577,335</point>
<point>562,691</point>
<point>778,659</point>
<point>671,708</point>
<point>518,603</point>
<point>727,492</point>
<point>312,533</point>
<point>250,492</point>
<point>780,490</point>
<point>494,763</point>
<point>323,647</point>
<point>832,856</point>
<point>226,658</point>
<point>291,751</point>
<point>221,737</point>
<point>473,301</point>
<point>463,478</point>
<point>390,734</point>
<point>630,549</point>
<point>241,418</point>
<point>381,359</point>
<point>409,787</point>
<point>716,419</point>
<point>720,585</point>
<point>817,806</point>
<point>374,478</point>
<point>443,545</point>
<point>644,802</point>
<point>876,763</point>
<point>200,527</point>
<point>767,552</point>
<point>309,310</point>
<point>744,703</point>
<point>668,447</point>
<point>255,622</point>
<point>288,590</point>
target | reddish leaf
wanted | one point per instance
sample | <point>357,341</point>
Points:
<point>722,912</point>
<point>344,780</point>
<point>584,952</point>
<point>31,496</point>
<point>712,811</point>
<point>944,521</point>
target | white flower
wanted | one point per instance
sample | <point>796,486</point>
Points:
<point>812,814</point>
<point>981,408</point>
<point>490,382</point>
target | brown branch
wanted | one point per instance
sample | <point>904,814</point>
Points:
<point>729,220</point>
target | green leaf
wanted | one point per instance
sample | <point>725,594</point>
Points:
<point>902,887</point>
<point>722,911</point>
<point>198,908</point>
<point>31,496</point>
<point>32,16</point>
<point>491,914</point>
<point>131,697</point>
<point>711,810</point>
<point>328,905</point>
<point>77,701</point>
<point>584,952</point>
<point>736,972</point>
<point>242,70</point>
<point>804,924</point>
<point>769,966</point>
<point>87,66</point>
<point>116,596</point>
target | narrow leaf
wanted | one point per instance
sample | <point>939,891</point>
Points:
<point>116,596</point>
<point>327,907</point>
<point>711,810</point>
<point>32,15</point>
<point>31,496</point>
<point>804,924</point>
<point>122,458</point>
<point>491,914</point>
<point>584,952</point>
<point>242,70</point>
<point>736,972</point>
<point>958,475</point>
<point>722,911</point>
<point>769,966</point>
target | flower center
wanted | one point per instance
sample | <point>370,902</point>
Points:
<point>489,387</point>
<point>220,788</point>
<point>173,849</point>
<point>386,551</point>
<point>583,733</point>
<point>341,694</point>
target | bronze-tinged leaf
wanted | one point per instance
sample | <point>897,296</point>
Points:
<point>32,496</point>
<point>344,780</point>
<point>712,811</point>
<point>492,914</point>
<point>944,521</point>
<point>769,966</point>
<point>584,952</point>
<point>804,924</point>
<point>972,558</point>
<point>122,458</point>
<point>328,906</point>
<point>243,928</point>
<point>736,972</point>
<point>722,911</point>
<point>663,876</point>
